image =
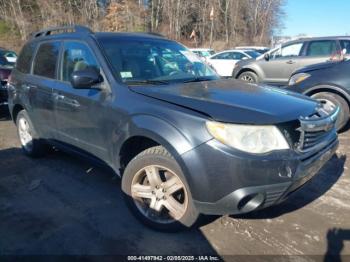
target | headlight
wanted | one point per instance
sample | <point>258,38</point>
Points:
<point>295,79</point>
<point>248,138</point>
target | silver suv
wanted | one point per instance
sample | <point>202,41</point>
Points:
<point>276,66</point>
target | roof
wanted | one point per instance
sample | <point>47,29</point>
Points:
<point>77,30</point>
<point>129,35</point>
<point>316,39</point>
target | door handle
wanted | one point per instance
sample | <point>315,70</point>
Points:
<point>290,62</point>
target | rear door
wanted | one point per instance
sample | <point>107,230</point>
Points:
<point>80,113</point>
<point>319,51</point>
<point>38,87</point>
<point>281,64</point>
<point>223,63</point>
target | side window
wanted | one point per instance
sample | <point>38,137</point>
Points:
<point>76,57</point>
<point>345,44</point>
<point>288,51</point>
<point>321,48</point>
<point>45,62</point>
<point>237,56</point>
<point>226,55</point>
<point>25,58</point>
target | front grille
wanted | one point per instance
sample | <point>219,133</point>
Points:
<point>316,128</point>
<point>310,139</point>
<point>309,132</point>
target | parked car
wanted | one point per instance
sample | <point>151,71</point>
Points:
<point>5,71</point>
<point>277,65</point>
<point>224,62</point>
<point>10,56</point>
<point>203,52</point>
<point>183,141</point>
<point>259,49</point>
<point>327,82</point>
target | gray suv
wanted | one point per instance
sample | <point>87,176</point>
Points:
<point>183,141</point>
<point>277,65</point>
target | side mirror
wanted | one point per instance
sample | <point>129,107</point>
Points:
<point>85,79</point>
<point>267,56</point>
<point>245,58</point>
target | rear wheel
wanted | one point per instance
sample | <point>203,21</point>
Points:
<point>330,102</point>
<point>31,144</point>
<point>156,191</point>
<point>248,77</point>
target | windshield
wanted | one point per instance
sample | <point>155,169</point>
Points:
<point>205,53</point>
<point>154,61</point>
<point>253,54</point>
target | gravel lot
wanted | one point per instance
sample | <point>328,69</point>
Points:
<point>64,205</point>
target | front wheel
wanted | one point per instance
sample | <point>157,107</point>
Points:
<point>248,77</point>
<point>330,101</point>
<point>156,191</point>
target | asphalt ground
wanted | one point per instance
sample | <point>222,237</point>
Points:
<point>63,205</point>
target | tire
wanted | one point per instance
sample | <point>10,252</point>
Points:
<point>248,76</point>
<point>135,181</point>
<point>31,144</point>
<point>336,100</point>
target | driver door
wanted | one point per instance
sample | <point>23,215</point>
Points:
<point>80,113</point>
<point>282,63</point>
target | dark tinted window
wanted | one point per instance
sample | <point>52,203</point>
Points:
<point>226,55</point>
<point>46,59</point>
<point>25,58</point>
<point>345,44</point>
<point>76,57</point>
<point>321,48</point>
<point>237,56</point>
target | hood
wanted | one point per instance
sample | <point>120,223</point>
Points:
<point>314,67</point>
<point>234,101</point>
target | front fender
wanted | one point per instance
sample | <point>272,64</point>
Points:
<point>177,142</point>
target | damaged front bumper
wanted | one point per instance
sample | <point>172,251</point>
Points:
<point>227,181</point>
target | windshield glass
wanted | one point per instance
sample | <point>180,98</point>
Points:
<point>253,54</point>
<point>205,53</point>
<point>154,61</point>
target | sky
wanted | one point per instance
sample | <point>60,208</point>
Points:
<point>317,17</point>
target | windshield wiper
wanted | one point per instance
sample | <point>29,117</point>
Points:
<point>147,82</point>
<point>198,79</point>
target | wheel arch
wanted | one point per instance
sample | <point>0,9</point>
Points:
<point>328,88</point>
<point>144,135</point>
<point>15,110</point>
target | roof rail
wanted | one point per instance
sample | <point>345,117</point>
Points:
<point>155,34</point>
<point>62,29</point>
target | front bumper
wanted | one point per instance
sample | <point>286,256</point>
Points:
<point>224,181</point>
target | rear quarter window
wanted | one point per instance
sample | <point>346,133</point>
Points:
<point>321,48</point>
<point>25,58</point>
<point>45,63</point>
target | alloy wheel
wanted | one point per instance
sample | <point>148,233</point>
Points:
<point>25,134</point>
<point>159,194</point>
<point>247,78</point>
<point>328,105</point>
